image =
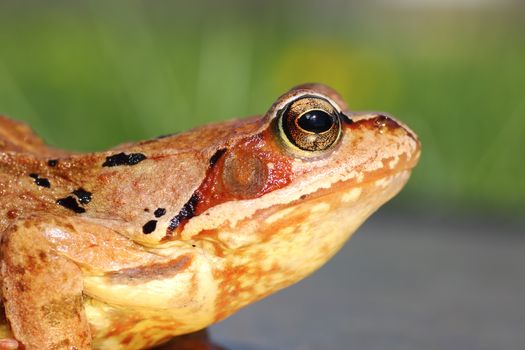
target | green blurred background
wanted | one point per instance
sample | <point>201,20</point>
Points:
<point>89,75</point>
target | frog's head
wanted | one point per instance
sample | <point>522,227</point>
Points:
<point>279,201</point>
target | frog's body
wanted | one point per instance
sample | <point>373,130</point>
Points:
<point>126,248</point>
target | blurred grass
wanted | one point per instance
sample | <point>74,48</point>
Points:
<point>90,75</point>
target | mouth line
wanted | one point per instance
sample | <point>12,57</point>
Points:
<point>343,186</point>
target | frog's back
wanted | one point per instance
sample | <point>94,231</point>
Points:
<point>36,178</point>
<point>18,137</point>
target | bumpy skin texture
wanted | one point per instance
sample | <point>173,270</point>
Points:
<point>125,249</point>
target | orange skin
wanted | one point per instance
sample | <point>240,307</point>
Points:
<point>128,248</point>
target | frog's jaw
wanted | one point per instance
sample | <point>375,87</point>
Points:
<point>294,242</point>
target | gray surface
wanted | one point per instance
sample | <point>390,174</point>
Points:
<point>400,284</point>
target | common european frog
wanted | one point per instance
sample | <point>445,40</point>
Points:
<point>127,248</point>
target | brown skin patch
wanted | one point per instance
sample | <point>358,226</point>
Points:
<point>127,339</point>
<point>12,214</point>
<point>245,174</point>
<point>20,286</point>
<point>63,344</point>
<point>42,255</point>
<point>144,274</point>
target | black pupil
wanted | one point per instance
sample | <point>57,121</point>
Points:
<point>316,121</point>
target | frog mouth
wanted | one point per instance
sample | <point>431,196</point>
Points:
<point>351,190</point>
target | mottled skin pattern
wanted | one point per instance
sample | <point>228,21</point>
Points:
<point>127,248</point>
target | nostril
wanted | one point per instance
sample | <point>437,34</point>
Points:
<point>383,122</point>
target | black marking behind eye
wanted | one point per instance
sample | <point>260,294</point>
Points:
<point>40,181</point>
<point>187,212</point>
<point>124,159</point>
<point>84,197</point>
<point>159,212</point>
<point>52,162</point>
<point>346,119</point>
<point>215,158</point>
<point>70,203</point>
<point>149,227</point>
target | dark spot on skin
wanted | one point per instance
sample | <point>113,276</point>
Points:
<point>52,162</point>
<point>149,227</point>
<point>215,158</point>
<point>187,212</point>
<point>127,339</point>
<point>193,245</point>
<point>71,203</point>
<point>153,140</point>
<point>40,181</point>
<point>84,197</point>
<point>12,214</point>
<point>303,196</point>
<point>165,135</point>
<point>42,255</point>
<point>146,210</point>
<point>124,159</point>
<point>159,212</point>
<point>19,286</point>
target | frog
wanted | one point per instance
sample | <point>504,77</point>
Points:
<point>149,241</point>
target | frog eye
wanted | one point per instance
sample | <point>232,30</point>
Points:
<point>310,123</point>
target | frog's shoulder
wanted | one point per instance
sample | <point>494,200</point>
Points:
<point>18,137</point>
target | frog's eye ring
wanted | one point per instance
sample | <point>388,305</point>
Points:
<point>310,123</point>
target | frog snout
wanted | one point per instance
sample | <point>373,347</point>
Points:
<point>402,135</point>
